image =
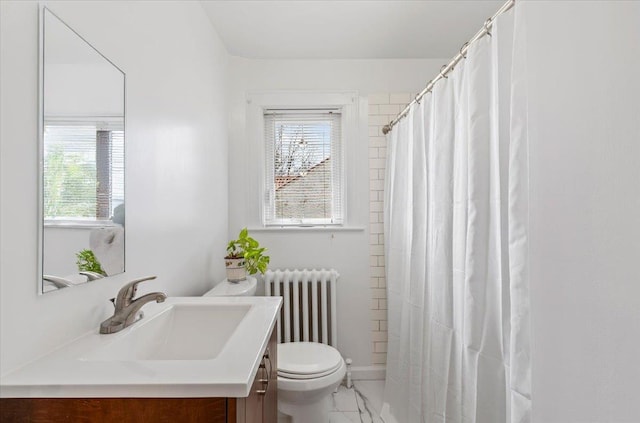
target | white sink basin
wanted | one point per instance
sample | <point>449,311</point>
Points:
<point>184,347</point>
<point>181,332</point>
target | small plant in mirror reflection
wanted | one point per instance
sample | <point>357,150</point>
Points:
<point>87,262</point>
<point>249,249</point>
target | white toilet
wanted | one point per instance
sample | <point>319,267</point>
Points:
<point>308,372</point>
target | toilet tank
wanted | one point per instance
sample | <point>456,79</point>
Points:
<point>245,288</point>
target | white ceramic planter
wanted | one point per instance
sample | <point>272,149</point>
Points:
<point>235,269</point>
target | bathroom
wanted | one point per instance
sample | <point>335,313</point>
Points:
<point>199,75</point>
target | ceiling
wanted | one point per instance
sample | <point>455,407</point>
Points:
<point>347,29</point>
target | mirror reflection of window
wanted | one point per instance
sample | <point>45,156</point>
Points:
<point>83,170</point>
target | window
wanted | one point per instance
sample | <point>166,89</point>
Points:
<point>303,167</point>
<point>83,170</point>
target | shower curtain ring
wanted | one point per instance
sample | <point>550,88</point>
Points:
<point>462,52</point>
<point>487,26</point>
<point>444,75</point>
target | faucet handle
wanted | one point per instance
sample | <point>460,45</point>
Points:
<point>127,292</point>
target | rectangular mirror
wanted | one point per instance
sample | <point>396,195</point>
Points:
<point>82,159</point>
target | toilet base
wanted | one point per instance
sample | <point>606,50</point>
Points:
<point>283,418</point>
<point>314,412</point>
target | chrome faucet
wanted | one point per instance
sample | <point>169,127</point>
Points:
<point>127,310</point>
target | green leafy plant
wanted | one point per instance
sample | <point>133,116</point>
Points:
<point>249,249</point>
<point>87,262</point>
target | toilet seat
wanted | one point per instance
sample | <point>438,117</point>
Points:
<point>299,386</point>
<point>310,376</point>
<point>307,360</point>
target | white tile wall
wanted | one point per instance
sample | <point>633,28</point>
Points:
<point>383,108</point>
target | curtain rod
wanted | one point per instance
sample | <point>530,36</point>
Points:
<point>449,67</point>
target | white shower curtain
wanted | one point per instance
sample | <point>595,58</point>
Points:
<point>456,245</point>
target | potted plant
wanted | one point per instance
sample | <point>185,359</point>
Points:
<point>87,262</point>
<point>244,255</point>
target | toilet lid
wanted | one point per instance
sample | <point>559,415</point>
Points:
<point>303,360</point>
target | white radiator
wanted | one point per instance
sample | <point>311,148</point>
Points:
<point>309,304</point>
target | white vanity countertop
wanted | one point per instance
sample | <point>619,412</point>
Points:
<point>71,372</point>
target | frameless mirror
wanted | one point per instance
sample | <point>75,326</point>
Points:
<point>82,143</point>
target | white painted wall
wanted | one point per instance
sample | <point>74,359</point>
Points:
<point>348,252</point>
<point>176,163</point>
<point>584,107</point>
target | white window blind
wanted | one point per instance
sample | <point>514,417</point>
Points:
<point>83,170</point>
<point>303,167</point>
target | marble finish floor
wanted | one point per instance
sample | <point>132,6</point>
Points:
<point>360,404</point>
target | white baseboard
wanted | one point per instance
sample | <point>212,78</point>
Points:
<point>375,372</point>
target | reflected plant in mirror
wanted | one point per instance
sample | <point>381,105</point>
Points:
<point>82,159</point>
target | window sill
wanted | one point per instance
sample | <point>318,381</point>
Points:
<point>79,225</point>
<point>318,228</point>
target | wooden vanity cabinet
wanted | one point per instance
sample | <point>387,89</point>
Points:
<point>262,403</point>
<point>261,406</point>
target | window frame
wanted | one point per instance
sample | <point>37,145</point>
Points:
<point>337,179</point>
<point>260,102</point>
